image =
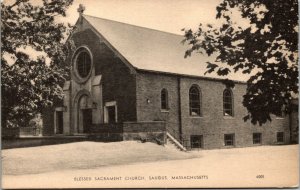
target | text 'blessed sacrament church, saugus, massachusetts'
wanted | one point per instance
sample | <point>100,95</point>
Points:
<point>133,83</point>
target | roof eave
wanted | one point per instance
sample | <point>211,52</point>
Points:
<point>189,76</point>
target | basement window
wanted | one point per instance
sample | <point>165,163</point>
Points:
<point>196,141</point>
<point>256,138</point>
<point>229,139</point>
<point>280,137</point>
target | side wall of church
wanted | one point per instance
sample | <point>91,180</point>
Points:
<point>212,125</point>
<point>149,87</point>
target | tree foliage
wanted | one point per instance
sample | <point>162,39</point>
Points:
<point>28,83</point>
<point>267,49</point>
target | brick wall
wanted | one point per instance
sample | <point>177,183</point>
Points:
<point>212,124</point>
<point>150,126</point>
<point>149,87</point>
<point>119,85</point>
<point>154,131</point>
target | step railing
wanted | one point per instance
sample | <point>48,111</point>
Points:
<point>175,142</point>
<point>178,137</point>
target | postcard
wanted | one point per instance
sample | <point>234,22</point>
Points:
<point>149,94</point>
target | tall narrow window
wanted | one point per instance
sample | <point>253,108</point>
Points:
<point>164,99</point>
<point>227,103</point>
<point>195,101</point>
<point>83,64</point>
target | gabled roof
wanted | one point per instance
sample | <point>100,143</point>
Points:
<point>153,50</point>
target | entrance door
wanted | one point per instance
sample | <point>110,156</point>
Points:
<point>59,122</point>
<point>111,112</point>
<point>86,120</point>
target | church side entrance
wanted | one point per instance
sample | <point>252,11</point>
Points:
<point>110,112</point>
<point>59,122</point>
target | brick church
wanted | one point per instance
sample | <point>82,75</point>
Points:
<point>135,82</point>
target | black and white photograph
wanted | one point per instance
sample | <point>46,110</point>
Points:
<point>149,94</point>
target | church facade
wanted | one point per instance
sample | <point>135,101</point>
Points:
<point>135,82</point>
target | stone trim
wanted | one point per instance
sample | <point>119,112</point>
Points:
<point>76,75</point>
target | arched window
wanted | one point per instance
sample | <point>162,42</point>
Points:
<point>83,63</point>
<point>164,99</point>
<point>195,101</point>
<point>227,103</point>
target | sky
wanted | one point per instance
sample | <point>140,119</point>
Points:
<point>165,15</point>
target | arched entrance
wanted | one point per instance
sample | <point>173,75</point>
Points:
<point>83,115</point>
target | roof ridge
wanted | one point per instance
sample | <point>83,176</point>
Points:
<point>134,25</point>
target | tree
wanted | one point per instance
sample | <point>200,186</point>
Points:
<point>30,83</point>
<point>267,48</point>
